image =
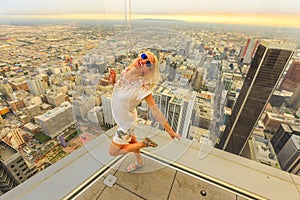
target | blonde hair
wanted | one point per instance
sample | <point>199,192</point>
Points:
<point>153,77</point>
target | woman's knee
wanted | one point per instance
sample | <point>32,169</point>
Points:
<point>112,152</point>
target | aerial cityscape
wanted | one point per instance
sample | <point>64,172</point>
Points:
<point>232,86</point>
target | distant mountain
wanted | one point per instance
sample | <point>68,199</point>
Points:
<point>162,20</point>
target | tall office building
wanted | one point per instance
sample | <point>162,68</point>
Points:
<point>13,169</point>
<point>265,71</point>
<point>177,105</point>
<point>172,71</point>
<point>188,47</point>
<point>281,136</point>
<point>289,156</point>
<point>292,78</point>
<point>106,104</point>
<point>82,105</point>
<point>92,115</point>
<point>248,51</point>
<point>180,113</point>
<point>294,101</point>
<point>213,70</point>
<point>57,120</point>
<point>197,80</point>
<point>36,86</point>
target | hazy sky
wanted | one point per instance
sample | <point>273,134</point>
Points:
<point>150,7</point>
<point>252,12</point>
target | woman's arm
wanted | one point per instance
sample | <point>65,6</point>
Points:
<point>112,76</point>
<point>158,115</point>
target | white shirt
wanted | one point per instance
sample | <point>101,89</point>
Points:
<point>126,96</point>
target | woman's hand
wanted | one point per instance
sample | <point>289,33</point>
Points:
<point>174,135</point>
<point>112,76</point>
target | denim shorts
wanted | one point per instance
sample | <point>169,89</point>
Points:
<point>123,137</point>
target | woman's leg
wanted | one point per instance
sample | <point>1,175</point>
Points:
<point>119,149</point>
<point>137,153</point>
<point>133,146</point>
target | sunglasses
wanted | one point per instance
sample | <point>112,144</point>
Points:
<point>145,57</point>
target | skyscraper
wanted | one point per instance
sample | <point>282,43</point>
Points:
<point>13,168</point>
<point>281,136</point>
<point>248,51</point>
<point>265,71</point>
<point>56,120</point>
<point>36,86</point>
<point>292,78</point>
<point>106,104</point>
<point>294,101</point>
<point>177,105</point>
<point>289,156</point>
<point>172,72</point>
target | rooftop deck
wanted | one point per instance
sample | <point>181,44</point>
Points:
<point>173,170</point>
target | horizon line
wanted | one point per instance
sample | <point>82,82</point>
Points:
<point>275,20</point>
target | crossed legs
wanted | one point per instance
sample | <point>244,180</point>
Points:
<point>133,146</point>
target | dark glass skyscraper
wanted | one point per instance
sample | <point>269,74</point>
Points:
<point>266,68</point>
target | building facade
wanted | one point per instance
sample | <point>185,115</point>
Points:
<point>106,104</point>
<point>248,51</point>
<point>289,156</point>
<point>36,86</point>
<point>13,168</point>
<point>281,136</point>
<point>55,121</point>
<point>266,68</point>
<point>177,108</point>
<point>292,78</point>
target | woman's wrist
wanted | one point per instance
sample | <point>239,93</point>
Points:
<point>168,128</point>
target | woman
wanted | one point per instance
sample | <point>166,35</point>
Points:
<point>132,87</point>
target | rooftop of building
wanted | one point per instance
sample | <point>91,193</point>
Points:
<point>6,151</point>
<point>295,128</point>
<point>262,151</point>
<point>296,140</point>
<point>286,128</point>
<point>174,170</point>
<point>55,111</point>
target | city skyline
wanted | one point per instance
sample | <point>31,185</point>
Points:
<point>68,62</point>
<point>258,12</point>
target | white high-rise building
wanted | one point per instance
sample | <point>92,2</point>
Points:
<point>177,105</point>
<point>36,86</point>
<point>82,105</point>
<point>93,115</point>
<point>106,104</point>
<point>248,51</point>
<point>56,120</point>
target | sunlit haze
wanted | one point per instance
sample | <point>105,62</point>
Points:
<point>257,12</point>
